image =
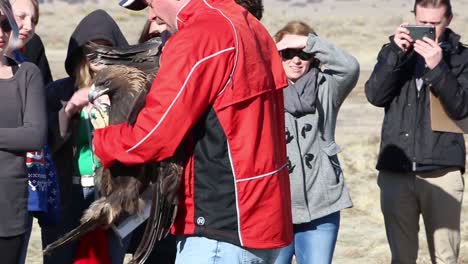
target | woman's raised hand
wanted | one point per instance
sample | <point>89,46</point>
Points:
<point>292,41</point>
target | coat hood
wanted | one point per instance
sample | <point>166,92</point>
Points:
<point>96,25</point>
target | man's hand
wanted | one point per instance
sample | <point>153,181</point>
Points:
<point>290,41</point>
<point>78,100</point>
<point>402,37</point>
<point>430,51</point>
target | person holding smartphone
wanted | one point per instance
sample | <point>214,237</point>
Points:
<point>420,170</point>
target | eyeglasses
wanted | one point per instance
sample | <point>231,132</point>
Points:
<point>5,25</point>
<point>288,54</point>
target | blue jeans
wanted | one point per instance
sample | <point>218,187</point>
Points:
<point>70,218</point>
<point>313,242</point>
<point>201,250</point>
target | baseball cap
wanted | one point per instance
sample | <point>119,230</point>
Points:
<point>133,4</point>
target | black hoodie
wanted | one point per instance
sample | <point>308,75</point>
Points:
<point>96,25</point>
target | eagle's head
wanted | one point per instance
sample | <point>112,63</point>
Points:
<point>126,88</point>
<point>117,80</point>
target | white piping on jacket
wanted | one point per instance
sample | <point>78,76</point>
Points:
<point>237,198</point>
<point>237,46</point>
<point>263,175</point>
<point>177,96</point>
<point>177,14</point>
<point>220,92</point>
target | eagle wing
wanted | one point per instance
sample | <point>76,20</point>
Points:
<point>144,56</point>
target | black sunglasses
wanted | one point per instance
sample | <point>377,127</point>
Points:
<point>5,25</point>
<point>288,54</point>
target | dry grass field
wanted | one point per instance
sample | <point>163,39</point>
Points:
<point>359,26</point>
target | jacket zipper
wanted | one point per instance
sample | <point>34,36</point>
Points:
<point>418,93</point>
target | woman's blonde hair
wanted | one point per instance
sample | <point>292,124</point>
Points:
<point>295,27</point>
<point>83,74</point>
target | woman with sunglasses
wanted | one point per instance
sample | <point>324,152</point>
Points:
<point>320,77</point>
<point>22,129</point>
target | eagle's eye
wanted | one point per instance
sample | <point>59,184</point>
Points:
<point>107,83</point>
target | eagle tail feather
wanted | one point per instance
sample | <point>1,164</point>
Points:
<point>101,212</point>
<point>73,235</point>
<point>144,247</point>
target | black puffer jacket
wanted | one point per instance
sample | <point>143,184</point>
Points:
<point>408,142</point>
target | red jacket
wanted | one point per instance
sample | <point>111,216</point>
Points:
<point>219,88</point>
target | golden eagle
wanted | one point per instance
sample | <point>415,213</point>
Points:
<point>126,80</point>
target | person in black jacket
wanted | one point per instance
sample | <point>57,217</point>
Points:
<point>420,170</point>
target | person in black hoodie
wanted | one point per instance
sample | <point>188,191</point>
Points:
<point>420,170</point>
<point>70,130</point>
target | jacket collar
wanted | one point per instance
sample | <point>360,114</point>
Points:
<point>451,41</point>
<point>189,11</point>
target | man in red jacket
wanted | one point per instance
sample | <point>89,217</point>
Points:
<point>219,89</point>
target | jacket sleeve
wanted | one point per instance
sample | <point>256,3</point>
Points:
<point>31,135</point>
<point>58,93</point>
<point>191,75</point>
<point>340,68</point>
<point>451,90</point>
<point>380,89</point>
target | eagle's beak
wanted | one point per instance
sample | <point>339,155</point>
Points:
<point>93,94</point>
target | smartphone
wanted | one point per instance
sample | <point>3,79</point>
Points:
<point>420,31</point>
